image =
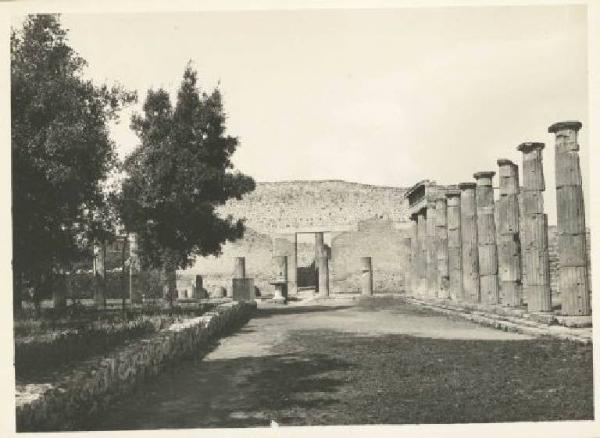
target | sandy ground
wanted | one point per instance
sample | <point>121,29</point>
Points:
<point>378,361</point>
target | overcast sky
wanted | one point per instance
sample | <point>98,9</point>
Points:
<point>375,96</point>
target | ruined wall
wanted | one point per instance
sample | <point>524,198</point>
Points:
<point>279,206</point>
<point>301,204</point>
<point>382,240</point>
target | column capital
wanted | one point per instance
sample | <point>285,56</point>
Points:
<point>530,146</point>
<point>467,185</point>
<point>505,162</point>
<point>572,125</point>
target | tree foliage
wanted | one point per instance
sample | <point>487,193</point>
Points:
<point>179,174</point>
<point>61,150</point>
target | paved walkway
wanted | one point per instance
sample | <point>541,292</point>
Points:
<point>375,361</point>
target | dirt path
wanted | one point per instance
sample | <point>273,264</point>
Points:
<point>380,361</point>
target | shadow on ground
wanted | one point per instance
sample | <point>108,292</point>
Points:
<point>295,310</point>
<point>326,377</point>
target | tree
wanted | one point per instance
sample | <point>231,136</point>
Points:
<point>178,175</point>
<point>61,150</point>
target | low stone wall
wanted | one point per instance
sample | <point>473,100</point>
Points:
<point>88,388</point>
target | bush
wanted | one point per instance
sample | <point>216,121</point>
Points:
<point>58,339</point>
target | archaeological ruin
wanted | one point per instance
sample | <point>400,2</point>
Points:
<point>473,241</point>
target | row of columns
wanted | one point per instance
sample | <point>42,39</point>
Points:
<point>462,249</point>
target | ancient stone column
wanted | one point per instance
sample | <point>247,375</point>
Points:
<point>198,288</point>
<point>431,255</point>
<point>406,254</point>
<point>441,237</point>
<point>99,274</point>
<point>469,244</point>
<point>509,242</point>
<point>572,254</point>
<point>239,270</point>
<point>534,231</point>
<point>414,253</point>
<point>486,238</point>
<point>319,251</point>
<point>422,254</point>
<point>366,277</point>
<point>281,278</point>
<point>454,245</point>
<point>135,290</point>
<point>286,245</point>
<point>323,263</point>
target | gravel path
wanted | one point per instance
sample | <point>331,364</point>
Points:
<point>378,361</point>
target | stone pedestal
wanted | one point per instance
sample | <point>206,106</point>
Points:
<point>572,252</point>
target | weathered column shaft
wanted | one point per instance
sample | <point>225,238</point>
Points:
<point>414,253</point>
<point>534,231</point>
<point>319,251</point>
<point>572,254</point>
<point>323,263</point>
<point>366,278</point>
<point>486,238</point>
<point>198,288</point>
<point>431,255</point>
<point>470,257</point>
<point>239,269</point>
<point>422,254</point>
<point>99,274</point>
<point>135,287</point>
<point>454,246</point>
<point>509,243</point>
<point>441,232</point>
<point>281,277</point>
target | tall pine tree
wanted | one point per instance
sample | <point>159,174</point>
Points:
<point>178,175</point>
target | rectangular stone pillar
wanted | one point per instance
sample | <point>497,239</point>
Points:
<point>239,268</point>
<point>431,255</point>
<point>486,238</point>
<point>366,277</point>
<point>281,278</point>
<point>572,254</point>
<point>198,288</point>
<point>534,230</point>
<point>286,245</point>
<point>319,251</point>
<point>135,280</point>
<point>414,252</point>
<point>469,242</point>
<point>99,274</point>
<point>422,255</point>
<point>509,242</point>
<point>454,245</point>
<point>441,237</point>
<point>323,263</point>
